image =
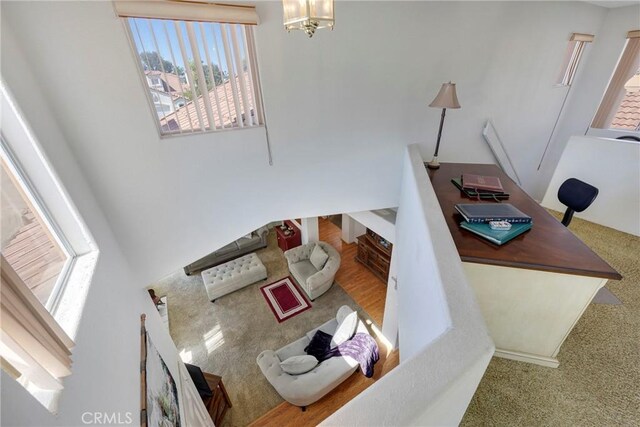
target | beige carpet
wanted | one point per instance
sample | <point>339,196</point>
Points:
<point>598,381</point>
<point>225,337</point>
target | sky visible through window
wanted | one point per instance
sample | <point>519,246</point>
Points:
<point>167,43</point>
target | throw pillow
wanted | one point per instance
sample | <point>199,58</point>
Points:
<point>318,257</point>
<point>343,312</point>
<point>345,330</point>
<point>296,365</point>
<point>319,345</point>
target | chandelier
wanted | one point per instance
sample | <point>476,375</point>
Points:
<point>308,15</point>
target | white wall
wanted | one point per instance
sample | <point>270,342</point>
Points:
<point>340,107</point>
<point>378,224</point>
<point>309,230</point>
<point>351,229</point>
<point>589,85</point>
<point>444,344</point>
<point>613,166</point>
<point>106,357</point>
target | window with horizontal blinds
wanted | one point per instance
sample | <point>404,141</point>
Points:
<point>201,76</point>
<point>620,105</point>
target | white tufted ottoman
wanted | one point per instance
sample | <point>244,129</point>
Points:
<point>233,275</point>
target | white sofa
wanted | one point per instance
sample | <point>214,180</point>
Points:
<point>314,282</point>
<point>305,389</point>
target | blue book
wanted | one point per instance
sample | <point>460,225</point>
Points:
<point>498,237</point>
<point>485,212</point>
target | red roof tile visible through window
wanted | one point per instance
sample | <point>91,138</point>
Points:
<point>628,115</point>
<point>186,117</point>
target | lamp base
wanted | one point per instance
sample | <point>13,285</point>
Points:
<point>433,164</point>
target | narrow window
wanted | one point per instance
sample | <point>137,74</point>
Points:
<point>620,105</point>
<point>575,49</point>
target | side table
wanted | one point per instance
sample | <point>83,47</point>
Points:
<point>289,241</point>
<point>219,402</point>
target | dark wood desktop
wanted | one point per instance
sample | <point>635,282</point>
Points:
<point>548,246</point>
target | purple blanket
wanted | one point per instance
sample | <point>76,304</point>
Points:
<point>362,348</point>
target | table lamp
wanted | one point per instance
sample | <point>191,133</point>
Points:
<point>446,98</point>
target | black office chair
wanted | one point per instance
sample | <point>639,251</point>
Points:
<point>576,196</point>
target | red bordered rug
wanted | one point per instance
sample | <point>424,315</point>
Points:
<point>285,299</point>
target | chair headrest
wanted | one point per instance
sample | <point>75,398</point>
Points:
<point>576,194</point>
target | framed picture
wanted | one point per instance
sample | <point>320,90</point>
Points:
<point>159,394</point>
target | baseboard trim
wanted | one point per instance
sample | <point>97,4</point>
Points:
<point>549,362</point>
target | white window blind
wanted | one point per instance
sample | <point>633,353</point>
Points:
<point>208,73</point>
<point>33,345</point>
<point>575,49</point>
<point>193,10</point>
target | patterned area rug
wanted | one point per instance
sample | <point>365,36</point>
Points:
<point>225,337</point>
<point>285,299</point>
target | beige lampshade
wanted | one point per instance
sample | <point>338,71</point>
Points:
<point>447,97</point>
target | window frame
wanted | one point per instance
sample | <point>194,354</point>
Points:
<point>571,61</point>
<point>252,63</point>
<point>45,215</point>
<point>65,318</point>
<point>609,132</point>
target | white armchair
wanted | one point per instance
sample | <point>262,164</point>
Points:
<point>314,282</point>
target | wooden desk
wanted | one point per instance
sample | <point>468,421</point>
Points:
<point>533,289</point>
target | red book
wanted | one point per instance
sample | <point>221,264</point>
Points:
<point>481,182</point>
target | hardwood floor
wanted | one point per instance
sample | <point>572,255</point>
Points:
<point>360,283</point>
<point>370,293</point>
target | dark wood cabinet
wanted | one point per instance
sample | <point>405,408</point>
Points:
<point>219,402</point>
<point>288,239</point>
<point>374,252</point>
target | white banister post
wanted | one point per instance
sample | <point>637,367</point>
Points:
<point>310,231</point>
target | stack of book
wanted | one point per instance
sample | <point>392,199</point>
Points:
<point>478,215</point>
<point>481,187</point>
